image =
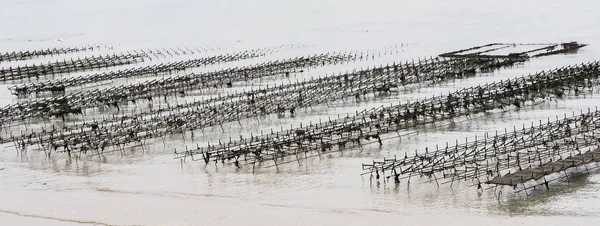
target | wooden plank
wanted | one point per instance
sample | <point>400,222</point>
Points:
<point>546,169</point>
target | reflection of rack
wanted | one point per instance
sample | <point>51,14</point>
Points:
<point>484,50</point>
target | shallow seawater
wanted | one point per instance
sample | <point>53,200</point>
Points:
<point>150,187</point>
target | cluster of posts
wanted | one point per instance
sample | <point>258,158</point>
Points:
<point>510,158</point>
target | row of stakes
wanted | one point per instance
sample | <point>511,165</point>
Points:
<point>246,94</point>
<point>158,52</point>
<point>242,94</point>
<point>219,99</point>
<point>110,60</point>
<point>273,100</point>
<point>30,54</point>
<point>60,85</point>
<point>61,106</point>
<point>68,66</point>
<point>511,158</point>
<point>151,133</point>
<point>370,124</point>
<point>75,110</point>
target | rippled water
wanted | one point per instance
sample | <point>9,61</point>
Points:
<point>151,188</point>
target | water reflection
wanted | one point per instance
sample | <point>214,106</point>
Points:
<point>537,202</point>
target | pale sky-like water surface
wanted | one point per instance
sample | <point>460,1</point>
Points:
<point>152,188</point>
